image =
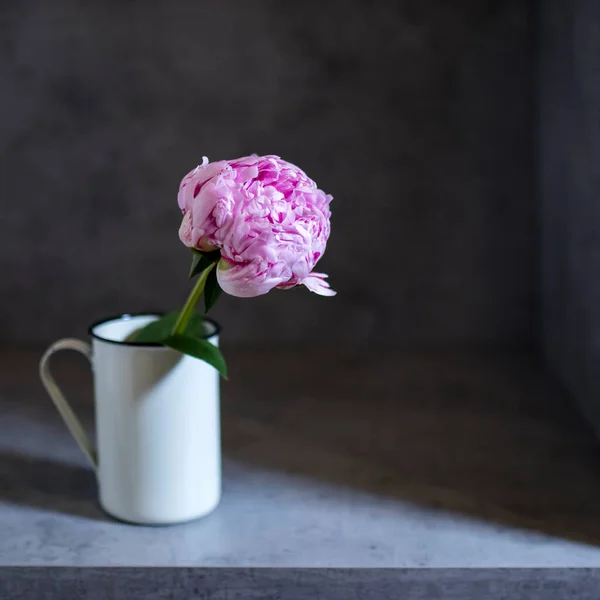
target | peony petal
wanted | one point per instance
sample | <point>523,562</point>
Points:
<point>185,230</point>
<point>192,183</point>
<point>246,280</point>
<point>316,283</point>
<point>204,204</point>
<point>245,161</point>
<point>246,173</point>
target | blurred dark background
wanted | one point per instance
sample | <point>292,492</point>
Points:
<point>416,115</point>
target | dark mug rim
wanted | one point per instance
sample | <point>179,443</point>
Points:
<point>151,313</point>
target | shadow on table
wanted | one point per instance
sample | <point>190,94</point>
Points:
<point>490,437</point>
<point>48,485</point>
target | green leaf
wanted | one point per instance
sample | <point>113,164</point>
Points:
<point>158,331</point>
<point>202,260</point>
<point>212,290</point>
<point>195,327</point>
<point>198,348</point>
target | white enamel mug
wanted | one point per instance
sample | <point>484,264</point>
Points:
<point>158,457</point>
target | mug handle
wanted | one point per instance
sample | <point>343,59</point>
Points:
<point>66,412</point>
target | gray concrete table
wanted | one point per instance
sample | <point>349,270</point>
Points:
<point>432,474</point>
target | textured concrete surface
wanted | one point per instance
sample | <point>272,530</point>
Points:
<point>569,157</point>
<point>436,461</point>
<point>299,584</point>
<point>416,116</point>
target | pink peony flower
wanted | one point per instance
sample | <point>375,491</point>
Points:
<point>265,215</point>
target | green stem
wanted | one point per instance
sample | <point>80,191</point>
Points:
<point>186,312</point>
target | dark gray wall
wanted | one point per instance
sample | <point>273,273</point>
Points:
<point>570,191</point>
<point>415,115</point>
